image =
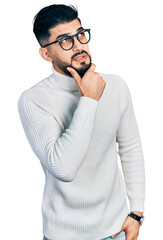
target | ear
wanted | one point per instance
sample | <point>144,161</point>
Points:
<point>44,54</point>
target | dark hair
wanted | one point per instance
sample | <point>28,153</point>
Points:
<point>51,16</point>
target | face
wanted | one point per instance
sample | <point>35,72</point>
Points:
<point>62,59</point>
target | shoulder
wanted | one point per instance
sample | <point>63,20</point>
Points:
<point>32,96</point>
<point>35,91</point>
<point>115,82</point>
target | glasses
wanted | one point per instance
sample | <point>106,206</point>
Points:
<point>67,42</point>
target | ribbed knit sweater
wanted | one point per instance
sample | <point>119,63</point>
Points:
<point>76,140</point>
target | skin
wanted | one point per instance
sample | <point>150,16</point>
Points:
<point>131,227</point>
<point>62,59</point>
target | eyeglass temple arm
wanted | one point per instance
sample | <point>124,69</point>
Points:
<point>49,44</point>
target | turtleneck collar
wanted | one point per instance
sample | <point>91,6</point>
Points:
<point>63,81</point>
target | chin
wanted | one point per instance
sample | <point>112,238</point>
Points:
<point>80,67</point>
<point>82,70</point>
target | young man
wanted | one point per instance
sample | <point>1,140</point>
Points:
<point>73,120</point>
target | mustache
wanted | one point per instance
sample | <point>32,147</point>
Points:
<point>75,55</point>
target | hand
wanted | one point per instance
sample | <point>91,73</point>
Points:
<point>131,227</point>
<point>91,84</point>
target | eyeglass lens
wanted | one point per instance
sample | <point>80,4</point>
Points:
<point>67,42</point>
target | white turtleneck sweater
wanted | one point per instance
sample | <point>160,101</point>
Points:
<point>76,138</point>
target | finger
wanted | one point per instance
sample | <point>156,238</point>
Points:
<point>115,235</point>
<point>74,74</point>
<point>123,228</point>
<point>92,67</point>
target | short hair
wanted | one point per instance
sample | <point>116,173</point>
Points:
<point>51,16</point>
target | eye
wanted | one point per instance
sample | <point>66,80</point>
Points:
<point>81,34</point>
<point>65,40</point>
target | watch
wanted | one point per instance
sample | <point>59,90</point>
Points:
<point>136,217</point>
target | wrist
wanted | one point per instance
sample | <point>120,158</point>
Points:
<point>139,218</point>
<point>140,214</point>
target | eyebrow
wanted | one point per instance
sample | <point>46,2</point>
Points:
<point>66,34</point>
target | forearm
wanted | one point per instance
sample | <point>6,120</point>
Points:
<point>62,153</point>
<point>134,174</point>
<point>66,155</point>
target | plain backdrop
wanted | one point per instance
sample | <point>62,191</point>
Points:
<point>127,39</point>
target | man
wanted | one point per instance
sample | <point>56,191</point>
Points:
<point>73,120</point>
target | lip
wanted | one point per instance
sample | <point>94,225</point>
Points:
<point>80,58</point>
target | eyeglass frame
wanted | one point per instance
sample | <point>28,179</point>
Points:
<point>72,37</point>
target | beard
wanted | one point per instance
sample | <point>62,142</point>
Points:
<point>81,71</point>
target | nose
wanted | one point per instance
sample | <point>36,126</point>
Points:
<point>77,45</point>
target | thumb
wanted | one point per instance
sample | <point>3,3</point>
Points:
<point>75,75</point>
<point>115,235</point>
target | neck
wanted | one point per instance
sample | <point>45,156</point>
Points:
<point>64,71</point>
<point>63,80</point>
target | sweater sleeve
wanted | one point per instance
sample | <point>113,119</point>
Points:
<point>131,155</point>
<point>61,153</point>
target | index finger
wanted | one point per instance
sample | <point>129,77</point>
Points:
<point>75,75</point>
<point>92,67</point>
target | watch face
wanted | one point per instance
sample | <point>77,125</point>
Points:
<point>141,220</point>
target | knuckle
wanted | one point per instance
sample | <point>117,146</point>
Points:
<point>94,74</point>
<point>104,83</point>
<point>97,74</point>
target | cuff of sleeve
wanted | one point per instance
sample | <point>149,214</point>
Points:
<point>137,205</point>
<point>88,104</point>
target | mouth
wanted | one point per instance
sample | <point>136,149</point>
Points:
<point>80,58</point>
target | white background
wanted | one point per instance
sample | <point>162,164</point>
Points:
<point>127,39</point>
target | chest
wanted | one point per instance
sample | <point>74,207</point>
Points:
<point>107,115</point>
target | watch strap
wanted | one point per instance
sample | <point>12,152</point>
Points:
<point>136,217</point>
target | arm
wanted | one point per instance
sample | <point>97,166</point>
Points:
<point>132,160</point>
<point>61,153</point>
<point>131,155</point>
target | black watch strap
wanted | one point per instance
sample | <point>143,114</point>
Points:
<point>136,217</point>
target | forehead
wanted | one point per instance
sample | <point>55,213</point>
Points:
<point>63,28</point>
